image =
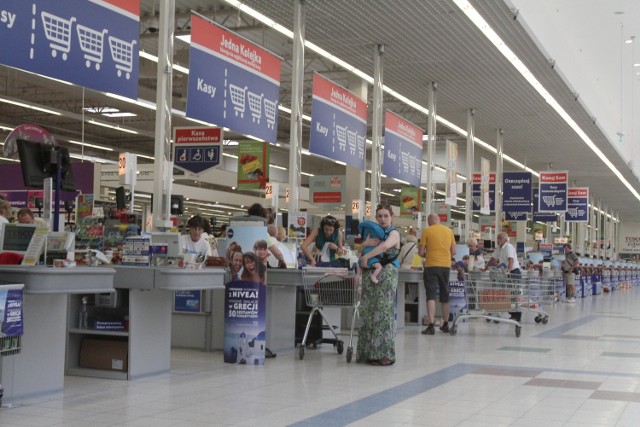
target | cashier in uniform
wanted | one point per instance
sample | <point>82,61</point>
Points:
<point>194,242</point>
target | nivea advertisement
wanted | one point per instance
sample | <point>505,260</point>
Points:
<point>11,314</point>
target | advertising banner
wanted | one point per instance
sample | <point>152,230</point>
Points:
<point>84,206</point>
<point>516,192</point>
<point>444,212</point>
<point>410,200</point>
<point>253,165</point>
<point>402,149</point>
<point>457,298</point>
<point>338,123</point>
<point>297,225</point>
<point>232,82</point>
<point>327,189</point>
<point>476,192</point>
<point>541,216</point>
<point>487,200</point>
<point>553,191</point>
<point>187,301</point>
<point>89,43</point>
<point>452,185</point>
<point>577,205</point>
<point>245,297</point>
<point>197,149</point>
<point>11,299</point>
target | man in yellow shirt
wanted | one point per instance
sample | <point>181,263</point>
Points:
<point>440,245</point>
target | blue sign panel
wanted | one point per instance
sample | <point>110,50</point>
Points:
<point>402,150</point>
<point>89,43</point>
<point>515,216</point>
<point>476,192</point>
<point>578,205</point>
<point>338,123</point>
<point>541,216</point>
<point>187,301</point>
<point>553,191</point>
<point>197,149</point>
<point>232,82</point>
<point>516,196</point>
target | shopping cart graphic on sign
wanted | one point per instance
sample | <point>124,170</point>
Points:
<point>58,32</point>
<point>477,200</point>
<point>352,138</point>
<point>270,109</point>
<point>405,161</point>
<point>122,54</point>
<point>92,44</point>
<point>341,133</point>
<point>572,212</point>
<point>255,105</point>
<point>237,98</point>
<point>361,141</point>
<point>549,200</point>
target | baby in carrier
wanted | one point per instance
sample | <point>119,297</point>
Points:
<point>373,230</point>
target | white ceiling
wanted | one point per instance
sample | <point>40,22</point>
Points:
<point>424,41</point>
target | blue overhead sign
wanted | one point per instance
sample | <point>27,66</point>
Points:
<point>89,43</point>
<point>476,192</point>
<point>338,123</point>
<point>232,82</point>
<point>197,149</point>
<point>402,150</point>
<point>516,192</point>
<point>553,191</point>
<point>578,205</point>
<point>541,216</point>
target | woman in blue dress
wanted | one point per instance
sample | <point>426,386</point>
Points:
<point>376,337</point>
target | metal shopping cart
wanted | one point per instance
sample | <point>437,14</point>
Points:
<point>542,292</point>
<point>490,293</point>
<point>237,98</point>
<point>331,287</point>
<point>122,54</point>
<point>255,105</point>
<point>58,32</point>
<point>270,110</point>
<point>92,44</point>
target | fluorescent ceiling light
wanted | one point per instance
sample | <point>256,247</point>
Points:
<point>29,106</point>
<point>494,38</point>
<point>100,110</point>
<point>9,160</point>
<point>98,147</point>
<point>110,126</point>
<point>120,114</point>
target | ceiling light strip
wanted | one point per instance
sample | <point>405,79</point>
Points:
<point>493,37</point>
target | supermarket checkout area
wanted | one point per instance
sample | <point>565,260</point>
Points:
<point>39,368</point>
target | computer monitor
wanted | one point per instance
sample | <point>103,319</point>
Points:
<point>16,237</point>
<point>121,198</point>
<point>176,205</point>
<point>39,161</point>
<point>172,240</point>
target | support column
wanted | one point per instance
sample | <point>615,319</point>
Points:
<point>431,143</point>
<point>295,128</point>
<point>163,166</point>
<point>498,194</point>
<point>376,129</point>
<point>468,210</point>
<point>356,178</point>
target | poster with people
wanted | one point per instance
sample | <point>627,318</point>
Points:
<point>246,294</point>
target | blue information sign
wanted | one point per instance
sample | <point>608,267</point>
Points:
<point>188,301</point>
<point>541,216</point>
<point>553,191</point>
<point>338,123</point>
<point>515,216</point>
<point>89,43</point>
<point>578,205</point>
<point>476,192</point>
<point>402,150</point>
<point>197,149</point>
<point>11,302</point>
<point>516,196</point>
<point>232,82</point>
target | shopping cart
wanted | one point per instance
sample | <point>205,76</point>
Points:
<point>237,98</point>
<point>58,32</point>
<point>331,287</point>
<point>341,134</point>
<point>255,105</point>
<point>122,54</point>
<point>490,293</point>
<point>92,44</point>
<point>352,139</point>
<point>542,292</point>
<point>270,110</point>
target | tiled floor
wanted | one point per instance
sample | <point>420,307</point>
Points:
<point>581,369</point>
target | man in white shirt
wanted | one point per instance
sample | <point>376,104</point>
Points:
<point>194,243</point>
<point>506,255</point>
